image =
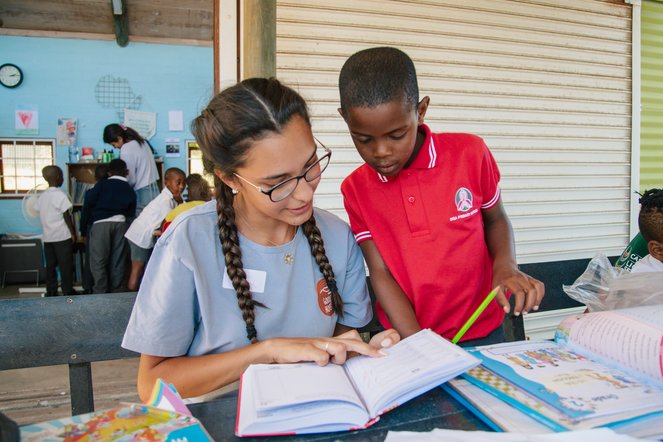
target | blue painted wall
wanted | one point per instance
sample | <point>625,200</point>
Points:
<point>60,76</point>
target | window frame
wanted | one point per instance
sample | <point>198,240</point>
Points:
<point>16,193</point>
<point>192,145</point>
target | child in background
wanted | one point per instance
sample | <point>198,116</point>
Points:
<point>107,207</point>
<point>650,222</point>
<point>59,235</point>
<point>259,275</point>
<point>426,208</point>
<point>137,153</point>
<point>141,232</point>
<point>100,173</point>
<point>198,192</point>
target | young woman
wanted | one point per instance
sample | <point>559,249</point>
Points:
<point>136,152</point>
<point>259,275</point>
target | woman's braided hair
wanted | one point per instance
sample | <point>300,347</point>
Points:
<point>225,131</point>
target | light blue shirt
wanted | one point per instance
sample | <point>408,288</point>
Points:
<point>186,304</point>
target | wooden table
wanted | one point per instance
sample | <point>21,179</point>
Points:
<point>435,409</point>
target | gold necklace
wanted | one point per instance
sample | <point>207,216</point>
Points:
<point>289,257</point>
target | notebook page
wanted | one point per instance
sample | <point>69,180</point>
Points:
<point>405,367</point>
<point>278,385</point>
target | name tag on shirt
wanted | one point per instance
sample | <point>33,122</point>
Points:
<point>256,279</point>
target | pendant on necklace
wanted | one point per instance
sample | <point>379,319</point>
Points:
<point>289,258</point>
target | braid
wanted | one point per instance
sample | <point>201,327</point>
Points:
<point>233,256</point>
<point>318,251</point>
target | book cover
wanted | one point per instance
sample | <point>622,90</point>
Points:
<point>497,414</point>
<point>604,370</point>
<point>129,423</point>
<point>306,398</point>
<point>164,418</point>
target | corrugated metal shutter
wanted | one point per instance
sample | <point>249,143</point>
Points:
<point>546,83</point>
<point>651,125</point>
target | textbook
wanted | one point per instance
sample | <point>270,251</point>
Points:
<point>163,418</point>
<point>605,369</point>
<point>132,422</point>
<point>277,399</point>
<point>493,411</point>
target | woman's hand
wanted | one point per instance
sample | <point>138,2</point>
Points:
<point>323,350</point>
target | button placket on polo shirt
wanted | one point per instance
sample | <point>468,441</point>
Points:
<point>413,204</point>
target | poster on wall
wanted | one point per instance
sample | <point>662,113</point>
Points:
<point>145,123</point>
<point>27,119</point>
<point>66,131</point>
<point>175,121</point>
<point>172,147</point>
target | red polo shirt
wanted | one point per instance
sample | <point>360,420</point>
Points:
<point>426,223</point>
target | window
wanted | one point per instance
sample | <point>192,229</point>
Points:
<point>21,161</point>
<point>196,161</point>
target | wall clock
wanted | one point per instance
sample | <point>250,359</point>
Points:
<point>11,75</point>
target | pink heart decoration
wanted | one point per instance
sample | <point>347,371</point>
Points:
<point>25,117</point>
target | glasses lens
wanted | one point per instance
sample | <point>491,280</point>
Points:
<point>316,170</point>
<point>283,190</point>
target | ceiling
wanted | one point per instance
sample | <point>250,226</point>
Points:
<point>169,21</point>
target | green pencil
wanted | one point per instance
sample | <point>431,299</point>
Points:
<point>475,315</point>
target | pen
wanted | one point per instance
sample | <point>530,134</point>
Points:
<point>475,315</point>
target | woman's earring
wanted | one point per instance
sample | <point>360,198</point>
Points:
<point>235,191</point>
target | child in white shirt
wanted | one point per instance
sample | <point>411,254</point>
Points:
<point>141,232</point>
<point>650,221</point>
<point>59,235</point>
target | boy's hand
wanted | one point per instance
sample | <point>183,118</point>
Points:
<point>527,291</point>
<point>385,339</point>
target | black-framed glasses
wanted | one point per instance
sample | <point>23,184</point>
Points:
<point>284,189</point>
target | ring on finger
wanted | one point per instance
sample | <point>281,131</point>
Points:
<point>326,346</point>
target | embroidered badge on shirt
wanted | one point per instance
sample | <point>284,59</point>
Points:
<point>463,199</point>
<point>324,298</point>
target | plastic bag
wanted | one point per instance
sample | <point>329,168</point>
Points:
<point>604,287</point>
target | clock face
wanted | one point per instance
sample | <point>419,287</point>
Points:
<point>10,75</point>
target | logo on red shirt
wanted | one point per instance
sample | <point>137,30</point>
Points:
<point>463,199</point>
<point>324,298</point>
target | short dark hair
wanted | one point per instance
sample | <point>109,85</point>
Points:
<point>101,171</point>
<point>650,218</point>
<point>376,76</point>
<point>51,173</point>
<point>172,172</point>
<point>117,167</point>
<point>197,188</point>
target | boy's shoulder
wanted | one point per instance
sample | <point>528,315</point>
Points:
<point>52,192</point>
<point>458,137</point>
<point>114,182</point>
<point>200,219</point>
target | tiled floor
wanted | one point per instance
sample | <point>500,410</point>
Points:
<point>37,394</point>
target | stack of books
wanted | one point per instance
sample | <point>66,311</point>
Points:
<point>604,369</point>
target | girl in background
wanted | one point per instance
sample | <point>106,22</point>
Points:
<point>136,152</point>
<point>259,275</point>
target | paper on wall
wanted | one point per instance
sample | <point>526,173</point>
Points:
<point>145,123</point>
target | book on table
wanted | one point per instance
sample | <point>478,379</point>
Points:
<point>277,399</point>
<point>604,369</point>
<point>164,417</point>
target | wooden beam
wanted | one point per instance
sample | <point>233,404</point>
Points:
<point>120,22</point>
<point>259,38</point>
<point>96,36</point>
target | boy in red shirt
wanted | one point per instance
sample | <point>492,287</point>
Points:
<point>426,209</point>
